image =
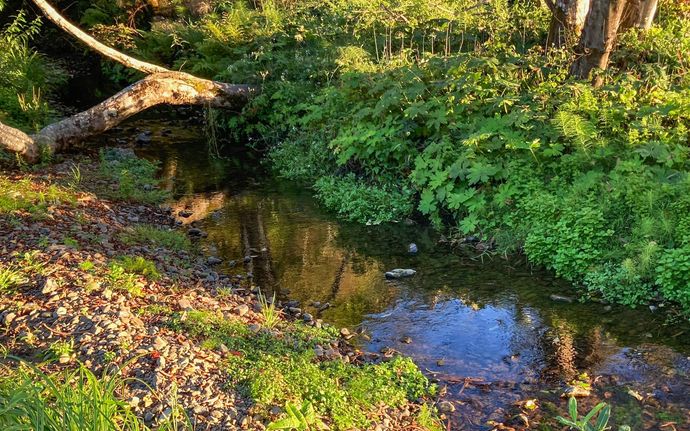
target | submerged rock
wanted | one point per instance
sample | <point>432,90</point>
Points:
<point>144,138</point>
<point>399,273</point>
<point>412,248</point>
<point>559,298</point>
<point>446,407</point>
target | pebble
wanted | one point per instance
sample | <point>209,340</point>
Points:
<point>576,391</point>
<point>242,309</point>
<point>560,298</point>
<point>195,232</point>
<point>159,343</point>
<point>49,286</point>
<point>446,407</point>
<point>399,273</point>
<point>184,304</point>
<point>214,260</point>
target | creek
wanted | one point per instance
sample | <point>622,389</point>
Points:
<point>489,330</point>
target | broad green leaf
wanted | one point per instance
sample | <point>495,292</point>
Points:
<point>572,408</point>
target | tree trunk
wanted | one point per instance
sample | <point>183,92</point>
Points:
<point>567,20</point>
<point>639,14</point>
<point>598,37</point>
<point>647,12</point>
<point>161,87</point>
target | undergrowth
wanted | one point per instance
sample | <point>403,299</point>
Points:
<point>275,368</point>
<point>461,116</point>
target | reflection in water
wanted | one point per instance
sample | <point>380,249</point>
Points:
<point>489,331</point>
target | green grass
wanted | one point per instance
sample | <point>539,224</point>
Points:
<point>10,278</point>
<point>135,178</point>
<point>26,196</point>
<point>68,401</point>
<point>269,311</point>
<point>147,234</point>
<point>139,265</point>
<point>119,279</point>
<point>276,368</point>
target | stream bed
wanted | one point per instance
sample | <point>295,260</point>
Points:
<point>489,331</point>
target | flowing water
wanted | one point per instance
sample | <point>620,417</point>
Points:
<point>488,331</point>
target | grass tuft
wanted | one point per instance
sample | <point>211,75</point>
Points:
<point>148,234</point>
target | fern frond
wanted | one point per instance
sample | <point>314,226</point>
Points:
<point>580,131</point>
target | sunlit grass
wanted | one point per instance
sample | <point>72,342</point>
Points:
<point>269,311</point>
<point>10,278</point>
<point>24,195</point>
<point>74,400</point>
<point>69,401</point>
<point>148,234</point>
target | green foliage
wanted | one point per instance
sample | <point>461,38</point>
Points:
<point>26,196</point>
<point>118,278</point>
<point>135,177</point>
<point>72,400</point>
<point>300,418</point>
<point>269,311</point>
<point>673,275</point>
<point>25,76</point>
<point>138,265</point>
<point>356,201</point>
<point>87,265</point>
<point>601,412</point>
<point>10,278</point>
<point>148,234</point>
<point>277,368</point>
<point>571,243</point>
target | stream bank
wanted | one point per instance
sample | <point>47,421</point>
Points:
<point>110,284</point>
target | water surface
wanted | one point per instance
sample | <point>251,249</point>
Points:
<point>488,330</point>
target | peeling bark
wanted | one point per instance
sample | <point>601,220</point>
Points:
<point>598,36</point>
<point>567,20</point>
<point>639,14</point>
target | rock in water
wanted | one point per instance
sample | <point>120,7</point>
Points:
<point>144,138</point>
<point>412,248</point>
<point>559,298</point>
<point>399,273</point>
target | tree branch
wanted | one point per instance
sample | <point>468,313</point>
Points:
<point>92,43</point>
<point>162,86</point>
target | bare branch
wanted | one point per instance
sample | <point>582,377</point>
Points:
<point>92,43</point>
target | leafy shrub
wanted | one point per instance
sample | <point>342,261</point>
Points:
<point>572,243</point>
<point>673,275</point>
<point>26,77</point>
<point>355,201</point>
